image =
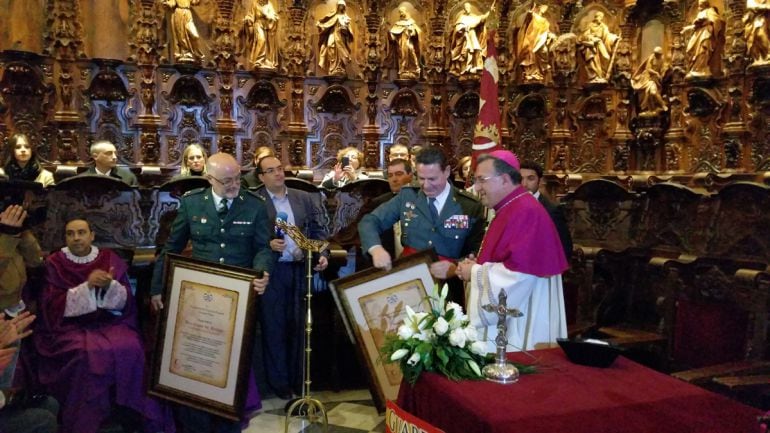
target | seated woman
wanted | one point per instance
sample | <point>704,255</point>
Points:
<point>193,161</point>
<point>23,163</point>
<point>463,172</point>
<point>346,170</point>
<point>90,353</point>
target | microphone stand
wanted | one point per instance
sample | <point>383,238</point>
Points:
<point>306,406</point>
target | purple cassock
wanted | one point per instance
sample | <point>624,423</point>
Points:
<point>92,360</point>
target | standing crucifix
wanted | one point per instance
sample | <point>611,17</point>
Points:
<point>501,371</point>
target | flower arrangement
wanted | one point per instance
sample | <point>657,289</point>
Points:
<point>440,341</point>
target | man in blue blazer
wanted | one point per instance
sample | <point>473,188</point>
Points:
<point>282,314</point>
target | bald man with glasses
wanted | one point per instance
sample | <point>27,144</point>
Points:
<point>226,225</point>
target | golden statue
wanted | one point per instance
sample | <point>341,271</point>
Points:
<point>533,44</point>
<point>703,57</point>
<point>648,82</point>
<point>186,38</point>
<point>756,24</point>
<point>405,45</point>
<point>335,39</point>
<point>598,44</point>
<point>468,42</point>
<point>259,35</point>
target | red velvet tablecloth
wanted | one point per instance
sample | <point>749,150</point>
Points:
<point>565,397</point>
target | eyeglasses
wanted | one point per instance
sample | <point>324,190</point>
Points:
<point>482,179</point>
<point>271,170</point>
<point>226,182</point>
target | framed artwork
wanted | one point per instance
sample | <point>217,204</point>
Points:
<point>203,352</point>
<point>372,304</point>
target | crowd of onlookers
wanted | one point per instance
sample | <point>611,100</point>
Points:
<point>71,351</point>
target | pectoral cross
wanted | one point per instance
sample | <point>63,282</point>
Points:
<point>501,371</point>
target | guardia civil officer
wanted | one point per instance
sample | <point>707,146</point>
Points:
<point>434,215</point>
<point>227,225</point>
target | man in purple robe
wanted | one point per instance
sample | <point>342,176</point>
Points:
<point>91,355</point>
<point>521,253</point>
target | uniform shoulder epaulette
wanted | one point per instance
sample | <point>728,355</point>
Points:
<point>466,194</point>
<point>254,194</point>
<point>194,191</point>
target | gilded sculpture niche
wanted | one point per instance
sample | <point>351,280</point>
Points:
<point>598,43</point>
<point>648,83</point>
<point>756,25</point>
<point>258,35</point>
<point>105,28</point>
<point>532,42</point>
<point>187,28</point>
<point>467,35</point>
<point>705,41</point>
<point>337,37</point>
<point>23,34</point>
<point>405,42</point>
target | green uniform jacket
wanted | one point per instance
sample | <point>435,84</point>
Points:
<point>239,239</point>
<point>459,230</point>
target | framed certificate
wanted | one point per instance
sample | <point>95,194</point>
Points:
<point>203,352</point>
<point>372,304</point>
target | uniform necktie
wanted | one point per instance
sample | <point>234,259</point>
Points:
<point>222,207</point>
<point>433,210</point>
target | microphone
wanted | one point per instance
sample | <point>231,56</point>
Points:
<point>279,234</point>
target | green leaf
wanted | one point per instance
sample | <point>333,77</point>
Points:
<point>442,355</point>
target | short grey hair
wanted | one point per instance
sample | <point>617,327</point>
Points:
<point>100,146</point>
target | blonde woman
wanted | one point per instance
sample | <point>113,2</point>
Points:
<point>193,161</point>
<point>346,170</point>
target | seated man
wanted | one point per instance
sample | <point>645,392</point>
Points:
<point>89,348</point>
<point>106,163</point>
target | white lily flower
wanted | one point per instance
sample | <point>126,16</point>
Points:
<point>414,359</point>
<point>457,337</point>
<point>470,333</point>
<point>398,354</point>
<point>441,326</point>
<point>425,335</point>
<point>442,298</point>
<point>458,318</point>
<point>405,332</point>
<point>479,348</point>
<point>419,320</point>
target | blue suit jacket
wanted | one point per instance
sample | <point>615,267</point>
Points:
<point>309,214</point>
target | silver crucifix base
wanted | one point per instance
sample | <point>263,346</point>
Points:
<point>501,372</point>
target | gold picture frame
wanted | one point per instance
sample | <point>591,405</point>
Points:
<point>202,356</point>
<point>372,303</point>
